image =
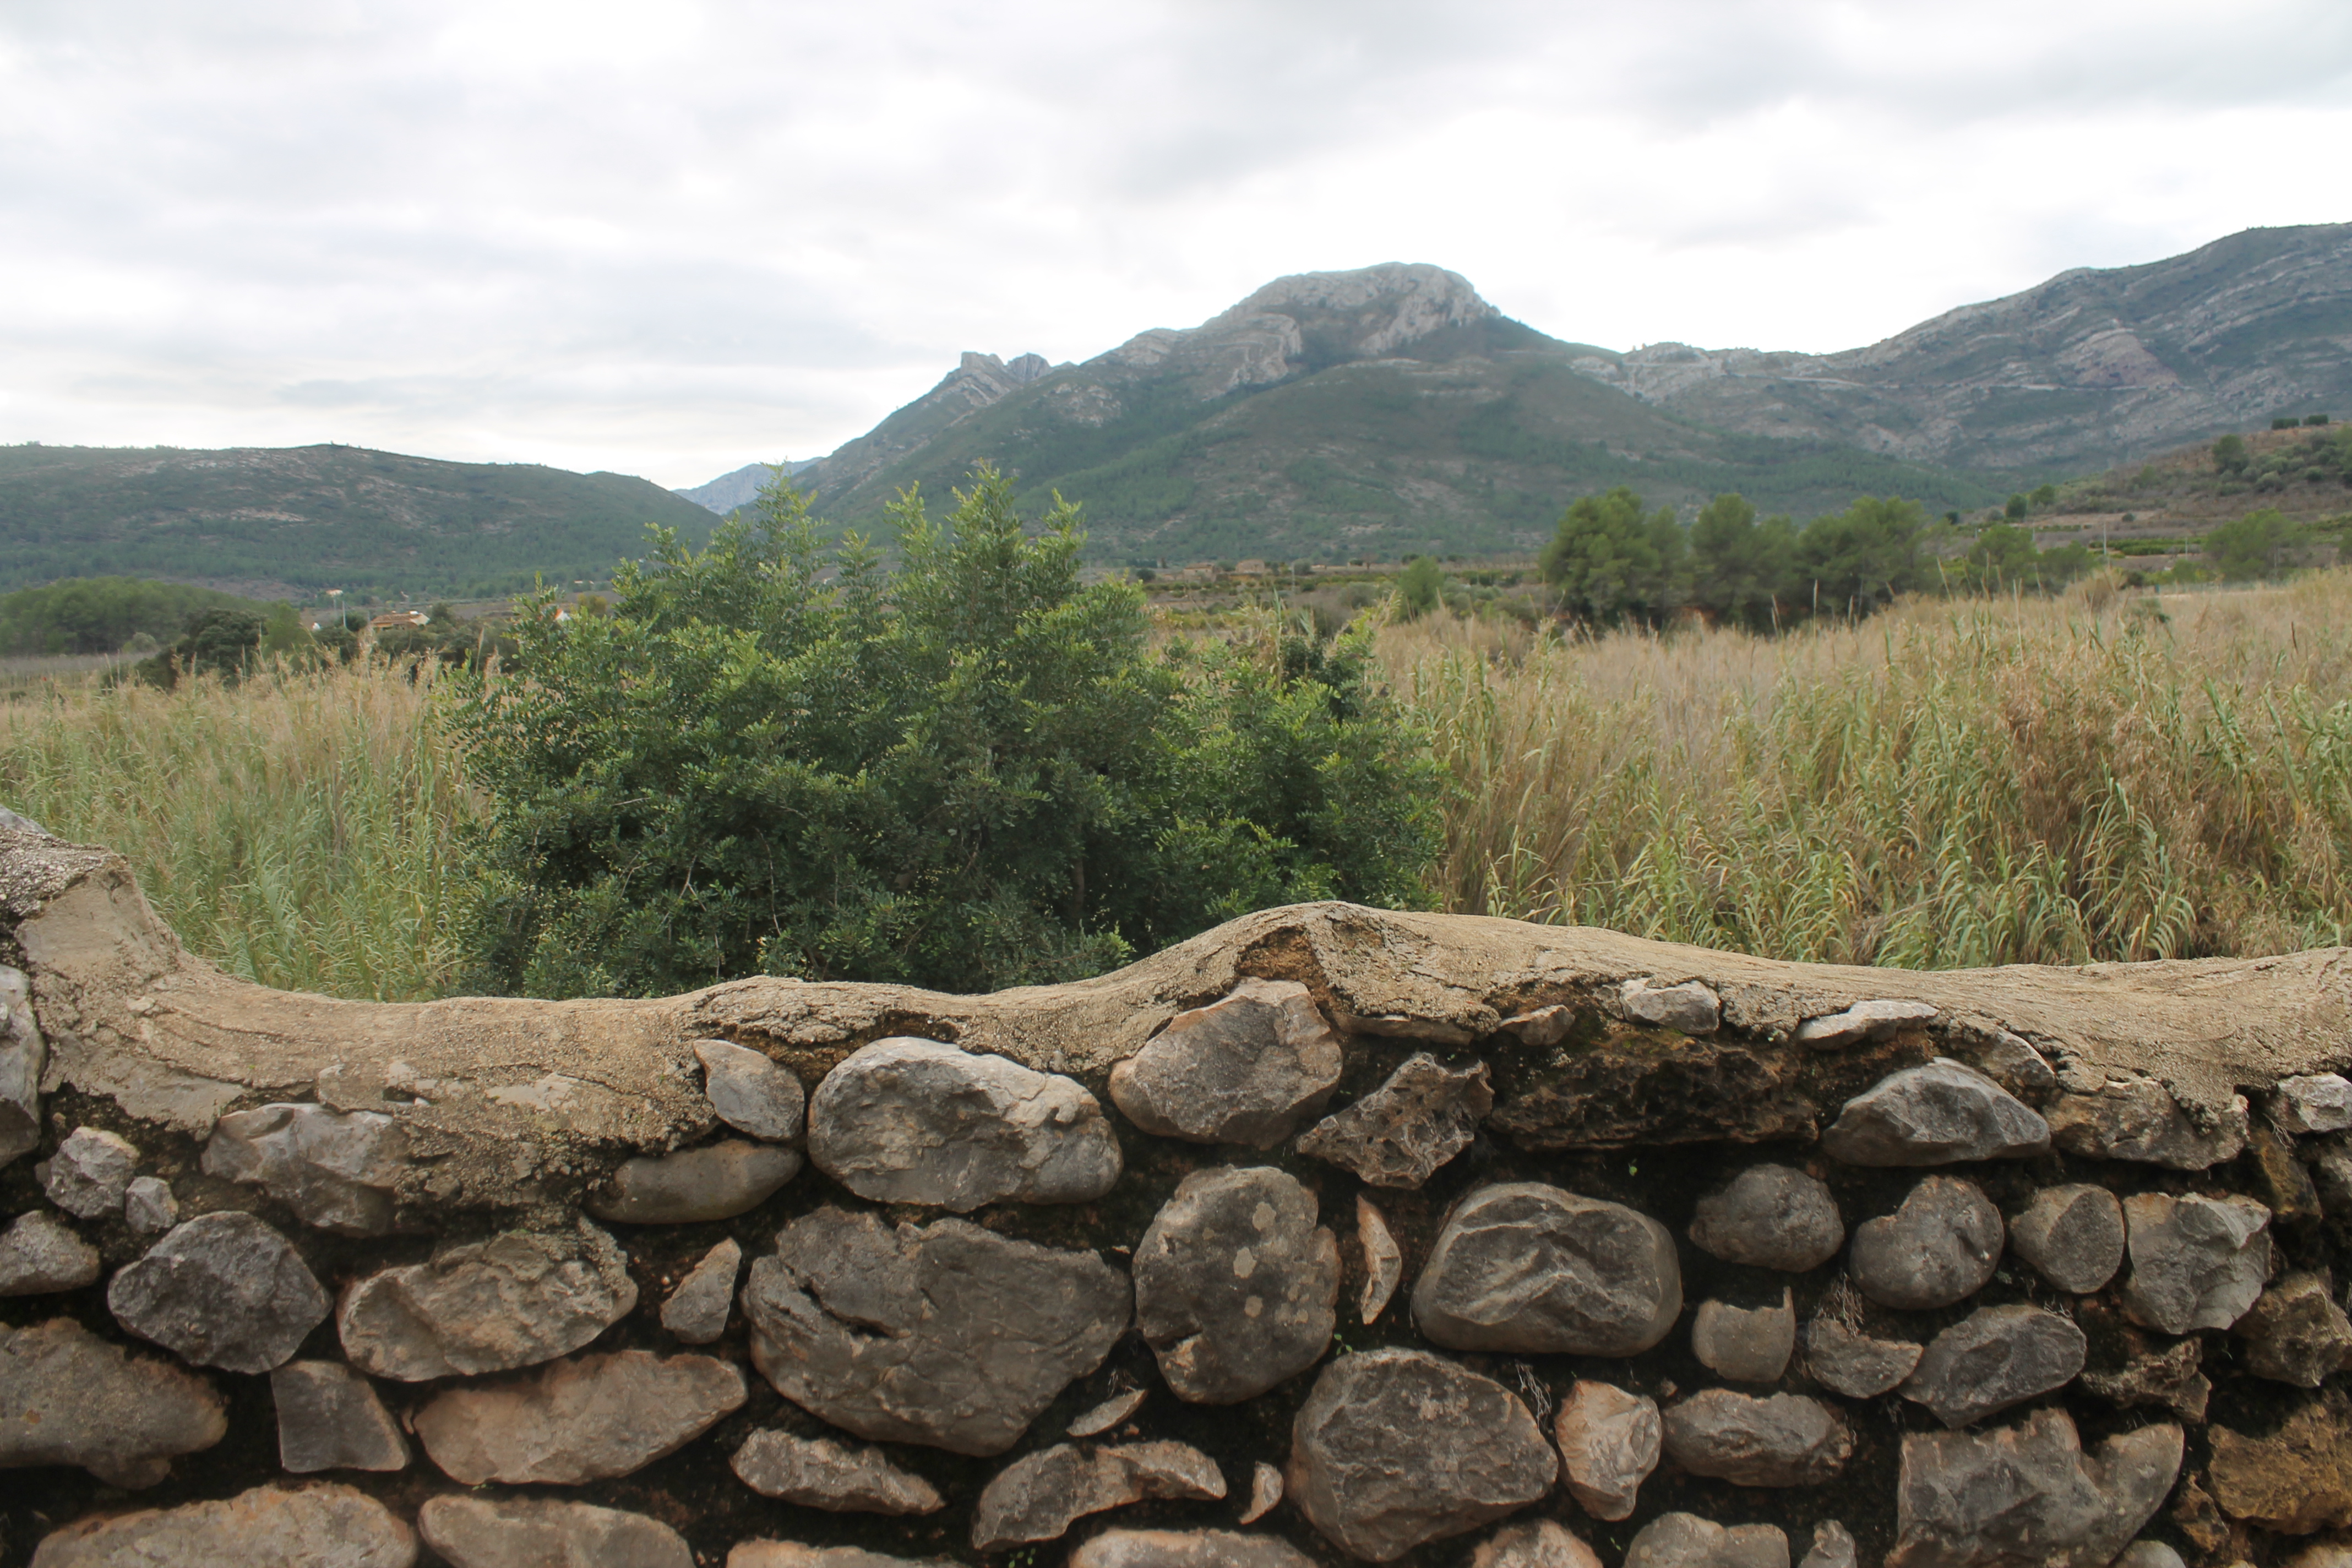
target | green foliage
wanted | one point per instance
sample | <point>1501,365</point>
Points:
<point>2314,419</point>
<point>1863,556</point>
<point>101,615</point>
<point>1611,563</point>
<point>2254,546</point>
<point>1742,571</point>
<point>223,643</point>
<point>2016,508</point>
<point>283,633</point>
<point>2230,455</point>
<point>2044,495</point>
<point>1421,587</point>
<point>2286,422</point>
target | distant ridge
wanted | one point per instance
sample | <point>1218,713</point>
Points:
<point>729,491</point>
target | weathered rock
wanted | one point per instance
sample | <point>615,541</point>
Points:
<point>2197,1262</point>
<point>1609,1442</point>
<point>1040,1495</point>
<point>2072,1236</point>
<point>1526,1267</point>
<point>1939,1246</point>
<point>906,1120</point>
<point>1994,1358</point>
<point>2297,1480</point>
<point>1265,1493</point>
<point>148,1207</point>
<point>2153,1554</point>
<point>67,1397</point>
<point>1844,1360</point>
<point>1771,1216</point>
<point>2315,1102</point>
<point>1396,1448</point>
<point>792,1554</point>
<point>1832,1547</point>
<point>2138,1118</point>
<point>488,1306</point>
<point>10,819</point>
<point>2169,1378</point>
<point>2280,1178</point>
<point>751,1093</point>
<point>1245,1070</point>
<point>695,1186</point>
<point>328,1418</point>
<point>1109,1413</point>
<point>530,1532</point>
<point>818,1472</point>
<point>89,1173</point>
<point>1397,1135</point>
<point>1744,1345</point>
<point>1540,1027</point>
<point>1648,1090</point>
<point>1689,1007</point>
<point>1187,1549</point>
<point>334,1169</point>
<point>1383,1261</point>
<point>578,1420</point>
<point>1236,1284</point>
<point>1940,1114</point>
<point>946,1334</point>
<point>41,1254</point>
<point>697,1311</point>
<point>23,1055</point>
<point>1533,1544</point>
<point>222,1289</point>
<point>318,1526</point>
<point>1785,1440</point>
<point>2296,1333</point>
<point>1861,1023</point>
<point>2327,1554</point>
<point>2028,1494</point>
<point>1686,1540</point>
<point>2011,1062</point>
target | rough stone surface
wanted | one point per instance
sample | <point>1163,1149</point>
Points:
<point>1396,1448</point>
<point>1844,1360</point>
<point>1783,1440</point>
<point>2154,1554</point>
<point>1939,1246</point>
<point>2072,1236</point>
<point>2138,1118</point>
<point>318,1526</point>
<point>335,1170</point>
<point>1994,1358</point>
<point>1686,1540</point>
<point>1609,1443</point>
<point>1187,1549</point>
<point>1646,1090</point>
<point>1397,1135</point>
<point>2170,1379</point>
<point>1833,1547</point>
<point>2011,1062</point>
<point>1236,1284</point>
<point>792,1554</point>
<point>148,1207</point>
<point>578,1420</point>
<point>906,1120</point>
<point>2028,1494</point>
<point>23,1055</point>
<point>90,1172</point>
<point>41,1254</point>
<point>2296,1333</point>
<point>946,1334</point>
<point>1940,1114</point>
<point>1245,1070</point>
<point>2196,1262</point>
<point>222,1289</point>
<point>695,1186</point>
<point>1526,1268</point>
<point>818,1472</point>
<point>1689,1007</point>
<point>1040,1495</point>
<point>1744,1345</point>
<point>696,1309</point>
<point>2315,1102</point>
<point>1109,1413</point>
<point>1861,1023</point>
<point>1383,1261</point>
<point>1533,1544</point>
<point>1265,1493</point>
<point>328,1418</point>
<point>545,1532</point>
<point>67,1397</point>
<point>2297,1480</point>
<point>490,1306</point>
<point>751,1093</point>
<point>1771,1216</point>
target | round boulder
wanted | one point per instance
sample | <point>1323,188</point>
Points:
<point>1771,1216</point>
<point>1525,1267</point>
<point>1940,1114</point>
<point>1236,1284</point>
<point>1939,1248</point>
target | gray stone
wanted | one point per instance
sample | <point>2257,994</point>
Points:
<point>1861,1023</point>
<point>2011,1062</point>
<point>751,1093</point>
<point>697,1311</point>
<point>16,823</point>
<point>544,1532</point>
<point>1771,1216</point>
<point>2072,1236</point>
<point>2197,1262</point>
<point>1397,1135</point>
<point>1102,1417</point>
<point>2138,1118</point>
<point>1938,1247</point>
<point>1526,1268</point>
<point>2028,1494</point>
<point>818,1472</point>
<point>316,1526</point>
<point>1833,1547</point>
<point>1540,1027</point>
<point>1744,1345</point>
<point>945,1334</point>
<point>792,1554</point>
<point>915,1121</point>
<point>1686,1540</point>
<point>1383,1262</point>
<point>67,1397</point>
<point>1783,1440</point>
<point>1245,1070</point>
<point>89,1173</point>
<point>1940,1114</point>
<point>1236,1284</point>
<point>1994,1358</point>
<point>328,1418</point>
<point>488,1306</point>
<point>1533,1544</point>
<point>2327,1554</point>
<point>2315,1102</point>
<point>2296,1333</point>
<point>696,1185</point>
<point>148,1207</point>
<point>1187,1549</point>
<point>1609,1442</point>
<point>578,1420</point>
<point>2169,1378</point>
<point>1688,1008</point>
<point>2157,1554</point>
<point>1842,1359</point>
<point>1039,1496</point>
<point>23,1055</point>
<point>1265,1493</point>
<point>335,1169</point>
<point>1396,1448</point>
<point>40,1254</point>
<point>222,1289</point>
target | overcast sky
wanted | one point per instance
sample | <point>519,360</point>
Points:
<point>671,238</point>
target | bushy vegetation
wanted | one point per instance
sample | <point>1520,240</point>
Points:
<point>104,615</point>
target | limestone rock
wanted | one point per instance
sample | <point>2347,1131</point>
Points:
<point>2169,1378</point>
<point>1533,1544</point>
<point>751,1093</point>
<point>2138,1118</point>
<point>41,1254</point>
<point>1265,1493</point>
<point>2072,1236</point>
<point>1187,1549</point>
<point>1994,1358</point>
<point>2280,1178</point>
<point>1609,1442</point>
<point>2296,1333</point>
<point>1939,1246</point>
<point>1525,1267</point>
<point>2315,1102</point>
<point>1744,1345</point>
<point>148,1207</point>
<point>1861,1023</point>
<point>335,1170</point>
<point>2153,1554</point>
<point>1397,1135</point>
<point>1039,1496</point>
<point>1245,1070</point>
<point>1833,1547</point>
<point>1236,1284</point>
<point>2012,1063</point>
<point>67,1397</point>
<point>1940,1114</point>
<point>1396,1448</point>
<point>792,1554</point>
<point>2028,1493</point>
<point>697,1311</point>
<point>945,1334</point>
<point>90,1174</point>
<point>2197,1262</point>
<point>695,1186</point>
<point>906,1120</point>
<point>1383,1261</point>
<point>328,1418</point>
<point>1785,1440</point>
<point>577,1420</point>
<point>23,1055</point>
<point>1686,1540</point>
<point>1109,1413</point>
<point>270,1527</point>
<point>1540,1027</point>
<point>1690,1007</point>
<point>222,1289</point>
<point>1844,1360</point>
<point>529,1532</point>
<point>1771,1216</point>
<point>818,1472</point>
<point>488,1306</point>
<point>2297,1480</point>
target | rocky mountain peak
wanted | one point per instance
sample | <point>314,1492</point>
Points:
<point>1388,305</point>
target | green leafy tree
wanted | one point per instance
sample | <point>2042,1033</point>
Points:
<point>2254,546</point>
<point>223,643</point>
<point>1742,569</point>
<point>1862,557</point>
<point>2002,558</point>
<point>1611,563</point>
<point>1421,587</point>
<point>2230,455</point>
<point>2016,508</point>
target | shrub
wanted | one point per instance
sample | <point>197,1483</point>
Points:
<point>2286,422</point>
<point>1419,586</point>
<point>2230,455</point>
<point>2314,419</point>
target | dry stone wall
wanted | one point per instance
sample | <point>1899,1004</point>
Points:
<point>1331,1237</point>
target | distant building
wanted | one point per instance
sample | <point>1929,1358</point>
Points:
<point>397,620</point>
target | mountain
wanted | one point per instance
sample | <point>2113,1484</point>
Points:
<point>729,491</point>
